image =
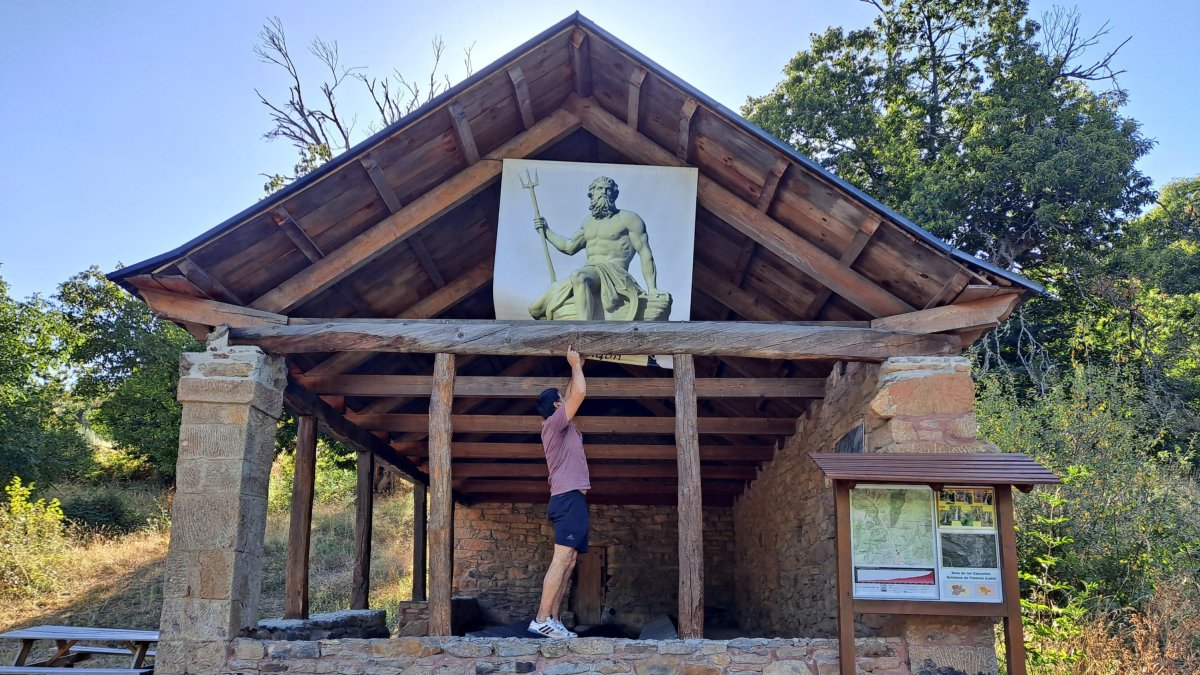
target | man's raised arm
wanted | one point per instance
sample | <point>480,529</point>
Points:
<point>569,246</point>
<point>577,387</point>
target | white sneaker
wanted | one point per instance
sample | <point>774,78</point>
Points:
<point>549,628</point>
<point>559,625</point>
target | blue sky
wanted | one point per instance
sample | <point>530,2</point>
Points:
<point>130,127</point>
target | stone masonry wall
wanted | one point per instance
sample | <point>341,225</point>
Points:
<point>786,571</point>
<point>472,656</point>
<point>501,553</point>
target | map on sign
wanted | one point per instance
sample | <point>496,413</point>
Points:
<point>892,526</point>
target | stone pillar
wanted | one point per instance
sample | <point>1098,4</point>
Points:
<point>232,398</point>
<point>927,404</point>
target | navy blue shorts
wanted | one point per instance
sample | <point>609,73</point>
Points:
<point>569,513</point>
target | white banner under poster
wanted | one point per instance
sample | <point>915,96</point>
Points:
<point>637,257</point>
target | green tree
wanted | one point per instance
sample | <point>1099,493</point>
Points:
<point>974,121</point>
<point>39,440</point>
<point>127,364</point>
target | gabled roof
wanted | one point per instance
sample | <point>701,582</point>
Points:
<point>403,225</point>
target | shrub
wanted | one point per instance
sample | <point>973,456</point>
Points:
<point>103,510</point>
<point>32,541</point>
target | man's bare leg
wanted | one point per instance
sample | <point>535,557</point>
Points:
<point>552,585</point>
<point>562,586</point>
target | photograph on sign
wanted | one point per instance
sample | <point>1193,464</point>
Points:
<point>892,533</point>
<point>967,507</point>
<point>595,242</point>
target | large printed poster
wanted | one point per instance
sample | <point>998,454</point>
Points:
<point>599,242</point>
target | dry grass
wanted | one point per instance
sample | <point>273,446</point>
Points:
<point>116,581</point>
<point>1164,639</point>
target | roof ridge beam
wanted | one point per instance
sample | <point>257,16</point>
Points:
<point>399,226</point>
<point>792,248</point>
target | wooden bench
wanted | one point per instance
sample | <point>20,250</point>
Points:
<point>104,651</point>
<point>31,669</point>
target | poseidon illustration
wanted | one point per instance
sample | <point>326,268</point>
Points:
<point>603,288</point>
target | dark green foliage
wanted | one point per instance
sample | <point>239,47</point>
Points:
<point>39,438</point>
<point>970,119</point>
<point>101,510</point>
<point>128,365</point>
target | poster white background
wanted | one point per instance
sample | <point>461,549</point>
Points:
<point>664,197</point>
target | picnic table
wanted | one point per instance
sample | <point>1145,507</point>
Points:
<point>68,649</point>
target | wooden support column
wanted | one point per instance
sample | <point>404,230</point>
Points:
<point>441,513</point>
<point>295,603</point>
<point>363,513</point>
<point>1014,637</point>
<point>420,522</point>
<point>845,582</point>
<point>691,514</point>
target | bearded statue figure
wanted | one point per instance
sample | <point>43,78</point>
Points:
<point>603,288</point>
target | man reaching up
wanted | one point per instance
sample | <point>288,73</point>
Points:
<point>569,481</point>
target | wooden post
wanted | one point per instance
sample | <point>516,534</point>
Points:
<point>691,513</point>
<point>420,520</point>
<point>364,510</point>
<point>845,580</point>
<point>295,602</point>
<point>441,513</point>
<point>1014,635</point>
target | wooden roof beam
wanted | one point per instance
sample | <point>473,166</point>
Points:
<point>530,424</point>
<point>620,487</point>
<point>635,96</point>
<point>428,307</point>
<point>792,248</point>
<point>521,93</point>
<point>983,313</point>
<point>210,313</point>
<point>581,62</point>
<point>595,451</point>
<point>306,403</point>
<point>683,147</point>
<point>462,132</point>
<point>530,387</point>
<point>667,471</point>
<point>399,226</point>
<point>392,200</point>
<point>206,282</point>
<point>551,338</point>
<point>861,238</point>
<point>309,248</point>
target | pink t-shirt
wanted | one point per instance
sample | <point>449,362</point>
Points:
<point>564,454</point>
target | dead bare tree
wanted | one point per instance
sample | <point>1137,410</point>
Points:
<point>1065,44</point>
<point>318,128</point>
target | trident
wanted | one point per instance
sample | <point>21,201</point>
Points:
<point>529,183</point>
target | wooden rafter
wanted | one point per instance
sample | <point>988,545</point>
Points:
<point>206,282</point>
<point>781,241</point>
<point>206,312</point>
<point>528,387</point>
<point>581,62</point>
<point>392,201</point>
<point>462,132</point>
<point>397,227</point>
<point>683,146</point>
<point>521,93</point>
<point>982,313</point>
<point>432,305</point>
<point>635,96</point>
<point>309,248</point>
<point>749,306</point>
<point>531,424</point>
<point>861,238</point>
<point>771,184</point>
<point>545,338</point>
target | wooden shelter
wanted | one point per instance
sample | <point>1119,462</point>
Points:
<point>372,276</point>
